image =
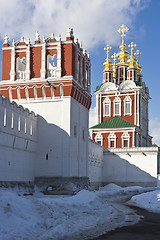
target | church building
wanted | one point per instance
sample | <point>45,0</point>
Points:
<point>122,101</point>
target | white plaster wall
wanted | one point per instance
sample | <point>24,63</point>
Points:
<point>95,162</point>
<point>17,147</point>
<point>136,165</point>
<point>78,144</point>
<point>53,136</point>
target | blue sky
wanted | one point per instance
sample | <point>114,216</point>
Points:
<point>95,23</point>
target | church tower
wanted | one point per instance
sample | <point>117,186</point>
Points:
<point>52,78</point>
<point>122,101</point>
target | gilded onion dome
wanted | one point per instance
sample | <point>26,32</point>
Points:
<point>132,61</point>
<point>108,64</point>
<point>123,55</point>
<point>139,69</point>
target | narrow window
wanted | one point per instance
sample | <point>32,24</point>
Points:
<point>18,94</point>
<point>10,93</point>
<point>75,130</point>
<point>31,129</point>
<point>125,143</point>
<point>112,143</point>
<point>35,92</point>
<point>26,93</point>
<point>12,120</point>
<point>43,92</point>
<point>47,156</point>
<point>5,117</point>
<point>117,109</point>
<point>61,91</point>
<point>83,134</point>
<point>19,122</point>
<point>25,125</point>
<point>52,91</point>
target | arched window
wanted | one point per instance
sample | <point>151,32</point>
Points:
<point>99,138</point>
<point>20,68</point>
<point>10,93</point>
<point>18,94</point>
<point>117,106</point>
<point>125,139</point>
<point>127,105</point>
<point>107,107</point>
<point>43,92</point>
<point>35,92</point>
<point>112,140</point>
<point>61,90</point>
<point>26,93</point>
<point>51,65</point>
<point>52,91</point>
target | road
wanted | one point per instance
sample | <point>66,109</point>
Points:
<point>147,229</point>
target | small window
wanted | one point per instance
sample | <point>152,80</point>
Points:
<point>47,156</point>
<point>25,126</point>
<point>125,143</point>
<point>112,143</point>
<point>31,129</point>
<point>75,130</point>
<point>5,117</point>
<point>83,134</point>
<point>35,92</point>
<point>12,120</point>
<point>61,91</point>
<point>18,94</point>
<point>117,110</point>
<point>19,122</point>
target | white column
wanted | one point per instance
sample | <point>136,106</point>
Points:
<point>28,62</point>
<point>138,108</point>
<point>43,63</point>
<point>58,73</point>
<point>12,72</point>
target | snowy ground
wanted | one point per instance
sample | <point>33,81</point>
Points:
<point>87,214</point>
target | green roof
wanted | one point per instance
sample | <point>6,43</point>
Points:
<point>98,87</point>
<point>139,83</point>
<point>115,122</point>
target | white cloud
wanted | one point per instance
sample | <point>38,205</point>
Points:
<point>92,117</point>
<point>155,130</point>
<point>94,21</point>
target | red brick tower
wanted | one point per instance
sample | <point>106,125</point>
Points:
<point>122,101</point>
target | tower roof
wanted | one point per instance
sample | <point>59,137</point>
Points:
<point>115,122</point>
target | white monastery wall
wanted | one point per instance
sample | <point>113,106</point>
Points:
<point>79,140</point>
<point>131,166</point>
<point>53,136</point>
<point>17,142</point>
<point>95,163</point>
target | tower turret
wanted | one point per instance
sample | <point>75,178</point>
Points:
<point>108,72</point>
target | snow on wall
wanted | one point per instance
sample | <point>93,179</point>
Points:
<point>17,142</point>
<point>95,163</point>
<point>131,166</point>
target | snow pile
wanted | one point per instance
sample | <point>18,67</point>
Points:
<point>87,214</point>
<point>149,201</point>
<point>110,187</point>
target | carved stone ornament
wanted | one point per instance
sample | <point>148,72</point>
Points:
<point>108,86</point>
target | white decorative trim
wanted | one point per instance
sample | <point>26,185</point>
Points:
<point>112,137</point>
<point>117,100</point>
<point>28,62</point>
<point>99,138</point>
<point>12,72</point>
<point>107,101</point>
<point>125,137</point>
<point>128,100</point>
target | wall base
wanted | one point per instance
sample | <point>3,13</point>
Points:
<point>62,185</point>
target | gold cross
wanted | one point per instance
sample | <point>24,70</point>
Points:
<point>114,56</point>
<point>132,45</point>
<point>107,48</point>
<point>137,54</point>
<point>122,30</point>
